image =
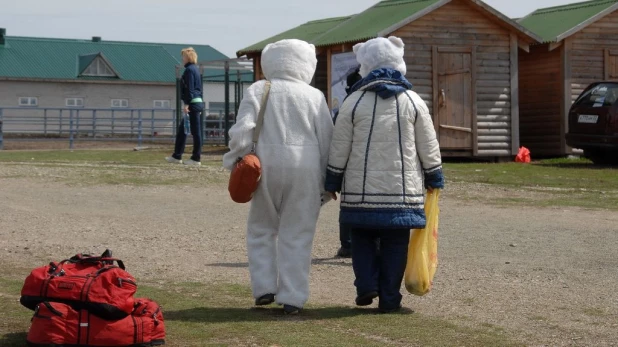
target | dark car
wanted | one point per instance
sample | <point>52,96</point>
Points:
<point>593,123</point>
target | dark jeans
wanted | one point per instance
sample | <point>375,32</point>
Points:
<point>381,272</point>
<point>195,110</point>
<point>345,235</point>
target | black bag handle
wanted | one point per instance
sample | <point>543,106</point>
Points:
<point>105,258</point>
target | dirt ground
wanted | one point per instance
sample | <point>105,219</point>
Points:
<point>546,276</point>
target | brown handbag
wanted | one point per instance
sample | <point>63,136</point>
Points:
<point>247,171</point>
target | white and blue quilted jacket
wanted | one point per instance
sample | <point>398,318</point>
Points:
<point>383,154</point>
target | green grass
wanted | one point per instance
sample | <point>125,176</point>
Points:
<point>114,167</point>
<point>126,157</point>
<point>556,182</point>
<point>556,173</point>
<point>594,312</point>
<point>199,314</point>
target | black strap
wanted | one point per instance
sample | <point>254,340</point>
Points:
<point>105,258</point>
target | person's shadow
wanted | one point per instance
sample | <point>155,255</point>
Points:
<point>275,313</point>
<point>13,340</point>
<point>314,261</point>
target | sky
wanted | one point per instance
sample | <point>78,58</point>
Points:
<point>227,25</point>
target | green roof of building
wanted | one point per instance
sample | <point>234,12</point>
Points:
<point>306,32</point>
<point>381,19</point>
<point>553,24</point>
<point>65,59</point>
<point>369,23</point>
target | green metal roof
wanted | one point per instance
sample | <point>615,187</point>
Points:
<point>46,58</point>
<point>553,22</point>
<point>381,19</point>
<point>370,23</point>
<point>306,32</point>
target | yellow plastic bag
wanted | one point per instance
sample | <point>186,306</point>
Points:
<point>423,250</point>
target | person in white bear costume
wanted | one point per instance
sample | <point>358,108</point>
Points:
<point>384,152</point>
<point>293,149</point>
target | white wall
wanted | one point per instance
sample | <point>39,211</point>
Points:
<point>53,95</point>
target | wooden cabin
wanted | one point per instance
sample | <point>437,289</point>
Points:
<point>580,46</point>
<point>462,58</point>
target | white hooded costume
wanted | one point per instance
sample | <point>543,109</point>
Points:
<point>293,149</point>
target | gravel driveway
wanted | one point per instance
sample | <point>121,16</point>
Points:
<point>546,276</point>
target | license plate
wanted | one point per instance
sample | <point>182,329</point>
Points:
<point>588,118</point>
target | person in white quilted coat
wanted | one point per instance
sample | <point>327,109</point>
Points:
<point>293,149</point>
<point>383,154</point>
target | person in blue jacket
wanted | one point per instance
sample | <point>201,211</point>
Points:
<point>345,251</point>
<point>191,93</point>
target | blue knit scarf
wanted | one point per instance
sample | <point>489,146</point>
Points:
<point>385,82</point>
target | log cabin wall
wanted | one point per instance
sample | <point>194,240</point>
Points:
<point>552,80</point>
<point>540,97</point>
<point>591,55</point>
<point>594,54</point>
<point>490,57</point>
<point>321,75</point>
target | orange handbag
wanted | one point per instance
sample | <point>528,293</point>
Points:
<point>247,171</point>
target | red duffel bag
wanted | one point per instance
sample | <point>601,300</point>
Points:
<point>85,282</point>
<point>59,325</point>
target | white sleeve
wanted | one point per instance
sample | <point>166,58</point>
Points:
<point>340,147</point>
<point>427,145</point>
<point>324,131</point>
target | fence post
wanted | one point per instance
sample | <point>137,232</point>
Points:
<point>71,129</point>
<point>220,127</point>
<point>113,114</point>
<point>94,124</point>
<point>131,123</point>
<point>60,123</point>
<point>152,124</point>
<point>227,102</point>
<point>77,122</point>
<point>1,137</point>
<point>174,123</point>
<point>139,128</point>
<point>45,122</point>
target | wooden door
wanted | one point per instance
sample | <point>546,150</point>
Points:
<point>454,95</point>
<point>611,65</point>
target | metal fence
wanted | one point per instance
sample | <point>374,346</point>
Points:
<point>88,124</point>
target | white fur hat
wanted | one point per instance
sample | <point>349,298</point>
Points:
<point>380,53</point>
<point>289,59</point>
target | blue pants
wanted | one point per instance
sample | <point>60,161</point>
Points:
<point>345,236</point>
<point>195,110</point>
<point>380,271</point>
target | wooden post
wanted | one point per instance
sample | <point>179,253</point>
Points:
<point>514,94</point>
<point>329,76</point>
<point>257,67</point>
<point>567,97</point>
<point>435,108</point>
<point>475,121</point>
<point>606,65</point>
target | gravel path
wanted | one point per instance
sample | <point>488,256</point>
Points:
<point>546,276</point>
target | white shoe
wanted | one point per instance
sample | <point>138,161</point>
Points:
<point>191,162</point>
<point>173,160</point>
